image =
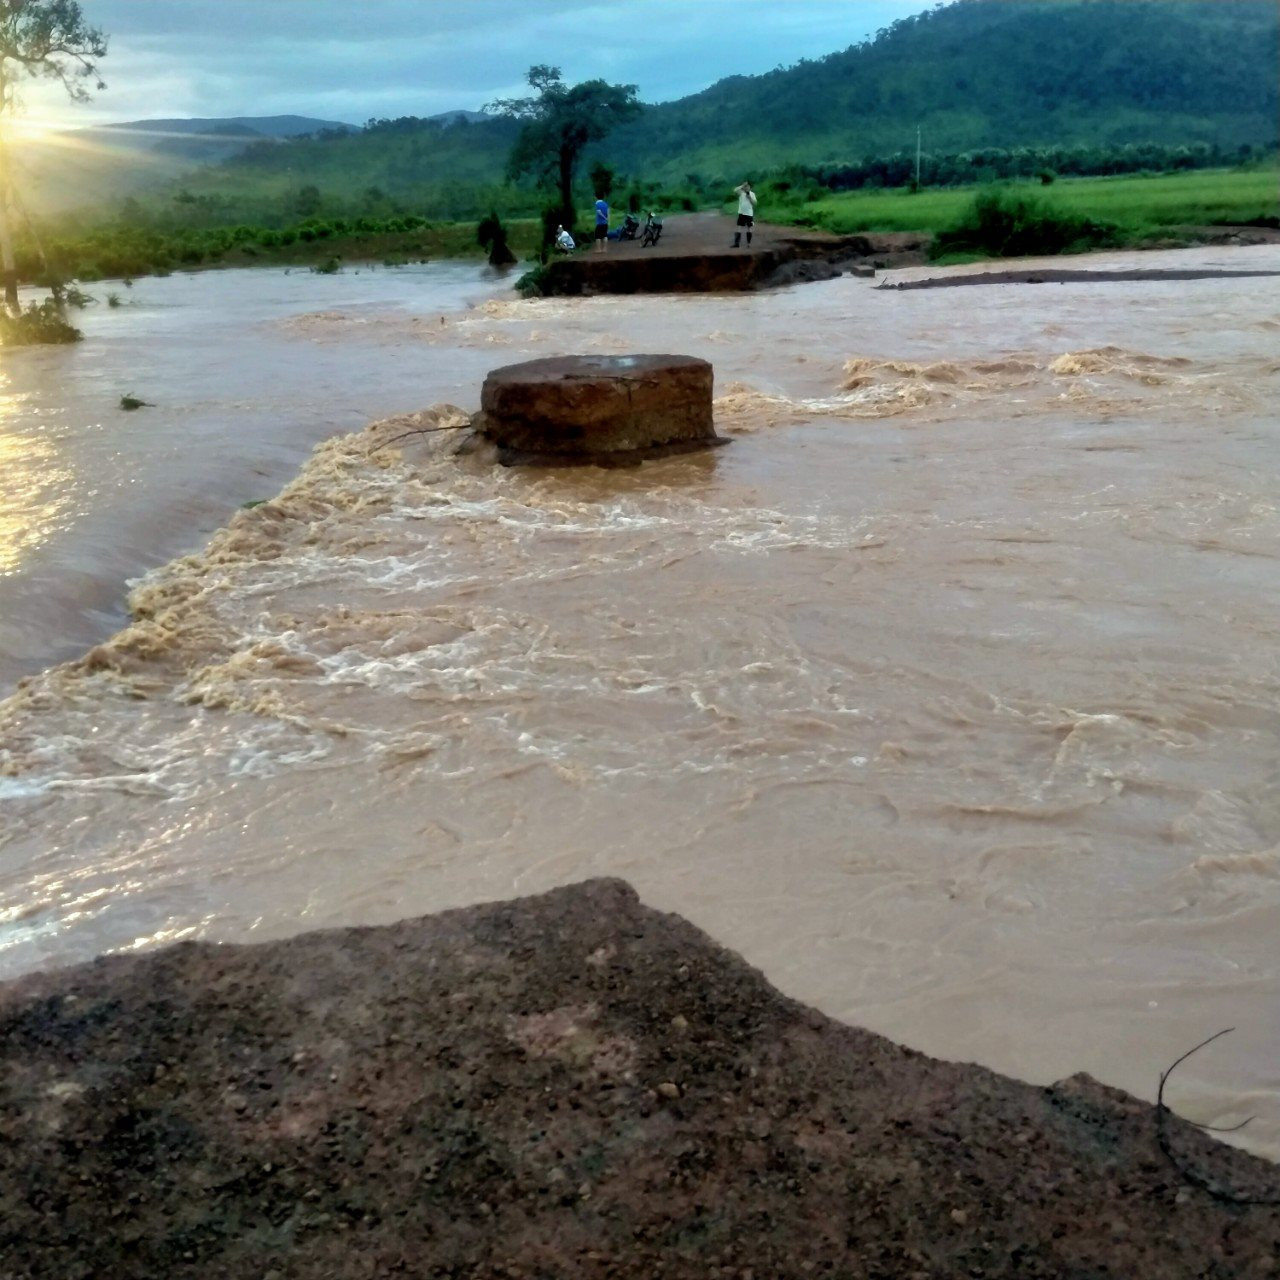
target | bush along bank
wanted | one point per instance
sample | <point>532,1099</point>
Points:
<point>1003,223</point>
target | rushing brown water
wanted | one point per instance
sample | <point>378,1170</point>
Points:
<point>91,496</point>
<point>948,693</point>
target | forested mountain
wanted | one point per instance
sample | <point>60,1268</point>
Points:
<point>254,126</point>
<point>971,74</point>
<point>444,167</point>
<point>978,73</point>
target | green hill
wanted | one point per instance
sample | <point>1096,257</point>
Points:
<point>979,73</point>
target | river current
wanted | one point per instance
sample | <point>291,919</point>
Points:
<point>947,693</point>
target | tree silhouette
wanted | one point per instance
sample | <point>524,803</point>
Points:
<point>559,121</point>
<point>39,39</point>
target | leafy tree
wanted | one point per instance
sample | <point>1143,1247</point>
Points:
<point>559,121</point>
<point>602,177</point>
<point>491,235</point>
<point>39,39</point>
<point>306,201</point>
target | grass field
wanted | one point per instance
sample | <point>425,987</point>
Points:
<point>1139,206</point>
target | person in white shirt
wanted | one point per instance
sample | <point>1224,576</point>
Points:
<point>746,213</point>
<point>564,241</point>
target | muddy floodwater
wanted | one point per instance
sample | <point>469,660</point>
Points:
<point>948,693</point>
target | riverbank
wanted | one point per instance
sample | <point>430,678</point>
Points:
<point>1158,211</point>
<point>125,252</point>
<point>571,1084</point>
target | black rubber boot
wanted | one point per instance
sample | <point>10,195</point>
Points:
<point>748,239</point>
<point>737,239</point>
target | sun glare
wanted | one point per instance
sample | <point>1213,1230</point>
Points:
<point>25,129</point>
<point>36,488</point>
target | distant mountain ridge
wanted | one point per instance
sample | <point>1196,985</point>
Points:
<point>265,126</point>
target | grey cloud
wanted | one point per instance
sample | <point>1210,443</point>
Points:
<point>342,59</point>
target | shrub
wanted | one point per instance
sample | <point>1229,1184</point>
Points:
<point>41,322</point>
<point>1004,224</point>
<point>329,267</point>
<point>533,284</point>
<point>491,235</point>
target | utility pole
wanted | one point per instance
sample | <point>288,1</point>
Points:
<point>917,157</point>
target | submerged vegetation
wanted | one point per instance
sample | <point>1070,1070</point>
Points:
<point>533,284</point>
<point>37,322</point>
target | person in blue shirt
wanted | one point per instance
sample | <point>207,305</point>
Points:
<point>602,223</point>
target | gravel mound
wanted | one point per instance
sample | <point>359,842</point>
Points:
<point>571,1085</point>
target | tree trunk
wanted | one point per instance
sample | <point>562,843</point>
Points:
<point>566,188</point>
<point>8,268</point>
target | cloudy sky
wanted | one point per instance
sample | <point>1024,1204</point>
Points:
<point>353,59</point>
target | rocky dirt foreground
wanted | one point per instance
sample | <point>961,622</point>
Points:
<point>566,1086</point>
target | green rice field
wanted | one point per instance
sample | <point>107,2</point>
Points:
<point>1138,205</point>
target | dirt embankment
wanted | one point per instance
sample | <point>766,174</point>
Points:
<point>565,1086</point>
<point>695,254</point>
